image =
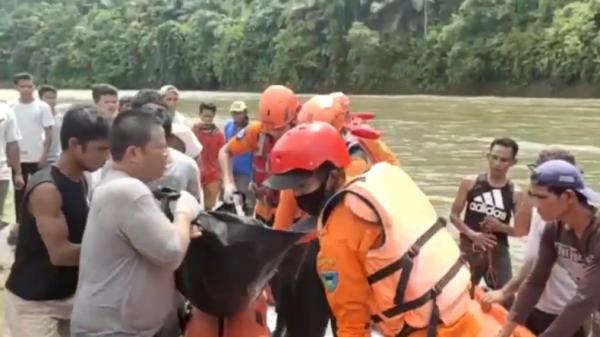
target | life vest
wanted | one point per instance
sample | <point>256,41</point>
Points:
<point>251,322</point>
<point>417,276</point>
<point>376,150</point>
<point>261,172</point>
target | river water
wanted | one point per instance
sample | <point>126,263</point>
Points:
<point>441,139</point>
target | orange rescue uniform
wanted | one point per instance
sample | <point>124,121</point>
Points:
<point>249,142</point>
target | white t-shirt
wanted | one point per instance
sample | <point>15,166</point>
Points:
<point>560,288</point>
<point>32,118</point>
<point>192,145</point>
<point>182,173</point>
<point>55,148</point>
<point>9,132</point>
<point>178,118</point>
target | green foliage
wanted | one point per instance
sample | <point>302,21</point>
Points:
<point>313,45</point>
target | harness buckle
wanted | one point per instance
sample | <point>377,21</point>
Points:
<point>412,252</point>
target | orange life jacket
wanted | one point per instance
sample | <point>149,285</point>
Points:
<point>375,149</point>
<point>417,276</point>
<point>260,165</point>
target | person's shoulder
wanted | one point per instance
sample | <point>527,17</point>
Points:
<point>122,189</point>
<point>12,103</point>
<point>252,130</point>
<point>469,181</point>
<point>42,105</point>
<point>182,159</point>
<point>6,110</point>
<point>5,106</point>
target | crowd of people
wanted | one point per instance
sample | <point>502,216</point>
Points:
<point>95,254</point>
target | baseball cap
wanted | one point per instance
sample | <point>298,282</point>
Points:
<point>550,153</point>
<point>168,88</point>
<point>237,106</point>
<point>560,173</point>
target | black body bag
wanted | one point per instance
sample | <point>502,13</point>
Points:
<point>229,265</point>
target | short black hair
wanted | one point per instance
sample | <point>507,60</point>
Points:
<point>84,123</point>
<point>125,99</point>
<point>145,96</point>
<point>207,106</point>
<point>558,191</point>
<point>103,89</point>
<point>22,76</point>
<point>46,88</point>
<point>506,142</point>
<point>162,113</point>
<point>132,128</point>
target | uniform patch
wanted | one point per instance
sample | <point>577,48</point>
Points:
<point>330,280</point>
<point>325,263</point>
<point>241,134</point>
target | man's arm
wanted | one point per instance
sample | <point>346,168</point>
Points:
<point>47,123</point>
<point>455,215</point>
<point>45,204</point>
<point>226,163</point>
<point>154,236</point>
<point>47,142</point>
<point>13,154</point>
<point>12,136</point>
<point>522,211</point>
<point>343,276</point>
<point>584,302</point>
<point>194,182</point>
<point>534,284</point>
<point>245,141</point>
<point>459,205</point>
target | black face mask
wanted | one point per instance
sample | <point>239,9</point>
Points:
<point>312,202</point>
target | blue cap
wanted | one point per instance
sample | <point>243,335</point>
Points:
<point>560,173</point>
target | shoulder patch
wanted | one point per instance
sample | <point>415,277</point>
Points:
<point>241,134</point>
<point>330,280</point>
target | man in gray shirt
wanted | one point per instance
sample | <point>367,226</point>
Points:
<point>182,172</point>
<point>130,249</point>
<point>562,197</point>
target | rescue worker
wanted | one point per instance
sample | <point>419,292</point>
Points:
<point>364,152</point>
<point>303,306</point>
<point>385,256</point>
<point>278,108</point>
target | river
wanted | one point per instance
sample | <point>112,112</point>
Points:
<point>441,139</point>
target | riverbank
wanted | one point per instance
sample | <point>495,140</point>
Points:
<point>534,90</point>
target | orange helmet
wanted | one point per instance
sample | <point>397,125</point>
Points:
<point>343,100</point>
<point>278,107</point>
<point>323,108</point>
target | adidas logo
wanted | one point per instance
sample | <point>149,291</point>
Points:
<point>491,204</point>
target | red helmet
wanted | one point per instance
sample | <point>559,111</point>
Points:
<point>278,107</point>
<point>305,147</point>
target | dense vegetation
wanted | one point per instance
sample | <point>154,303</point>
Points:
<point>354,45</point>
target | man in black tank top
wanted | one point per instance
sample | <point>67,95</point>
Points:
<point>43,278</point>
<point>489,201</point>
